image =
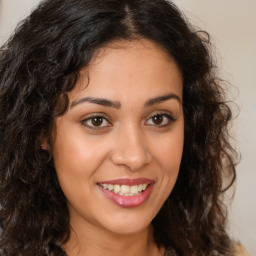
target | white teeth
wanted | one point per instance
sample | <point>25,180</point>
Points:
<point>116,188</point>
<point>110,187</point>
<point>144,186</point>
<point>135,189</point>
<point>105,186</point>
<point>125,190</point>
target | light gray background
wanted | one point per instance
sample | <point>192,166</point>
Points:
<point>232,25</point>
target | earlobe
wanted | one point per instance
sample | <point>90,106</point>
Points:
<point>45,144</point>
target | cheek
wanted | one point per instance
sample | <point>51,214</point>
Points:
<point>168,155</point>
<point>72,150</point>
<point>75,161</point>
<point>75,158</point>
<point>169,151</point>
<point>70,159</point>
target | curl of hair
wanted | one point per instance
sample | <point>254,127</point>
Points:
<point>40,63</point>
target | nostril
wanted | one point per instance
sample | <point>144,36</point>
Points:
<point>131,148</point>
<point>132,159</point>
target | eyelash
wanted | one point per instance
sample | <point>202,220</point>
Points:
<point>92,127</point>
<point>165,117</point>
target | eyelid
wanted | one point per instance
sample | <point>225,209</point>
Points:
<point>90,116</point>
<point>166,114</point>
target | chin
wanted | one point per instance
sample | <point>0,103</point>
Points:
<point>126,225</point>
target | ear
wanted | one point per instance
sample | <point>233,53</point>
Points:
<point>45,143</point>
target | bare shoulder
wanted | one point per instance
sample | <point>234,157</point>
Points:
<point>240,250</point>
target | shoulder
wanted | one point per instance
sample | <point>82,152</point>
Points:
<point>240,250</point>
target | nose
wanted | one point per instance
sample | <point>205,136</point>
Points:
<point>131,150</point>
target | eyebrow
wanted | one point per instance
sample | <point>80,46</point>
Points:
<point>161,99</point>
<point>117,104</point>
<point>99,101</point>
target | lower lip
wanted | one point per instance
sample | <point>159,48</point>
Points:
<point>128,201</point>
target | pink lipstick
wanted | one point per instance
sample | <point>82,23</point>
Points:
<point>127,192</point>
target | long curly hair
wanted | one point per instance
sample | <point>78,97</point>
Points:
<point>40,63</point>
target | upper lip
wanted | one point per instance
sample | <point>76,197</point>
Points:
<point>129,182</point>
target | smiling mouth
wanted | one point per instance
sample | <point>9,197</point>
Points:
<point>127,193</point>
<point>125,190</point>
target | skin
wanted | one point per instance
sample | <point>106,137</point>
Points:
<point>127,143</point>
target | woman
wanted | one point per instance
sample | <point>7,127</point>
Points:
<point>114,134</point>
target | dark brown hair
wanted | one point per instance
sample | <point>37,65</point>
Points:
<point>40,63</point>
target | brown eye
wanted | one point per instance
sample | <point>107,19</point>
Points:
<point>160,120</point>
<point>157,119</point>
<point>95,122</point>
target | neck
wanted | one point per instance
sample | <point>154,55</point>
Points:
<point>95,242</point>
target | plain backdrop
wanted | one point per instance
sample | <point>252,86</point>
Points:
<point>232,26</point>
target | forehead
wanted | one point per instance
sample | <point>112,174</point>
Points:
<point>124,67</point>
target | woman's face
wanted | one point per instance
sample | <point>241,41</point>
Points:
<point>117,150</point>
